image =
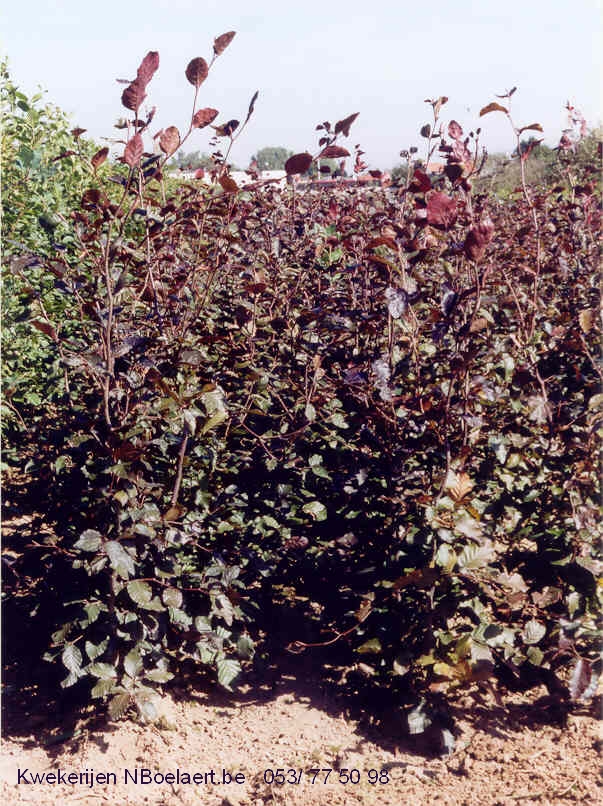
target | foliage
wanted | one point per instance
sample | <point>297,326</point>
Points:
<point>374,410</point>
<point>45,169</point>
<point>191,161</point>
<point>133,403</point>
<point>272,158</point>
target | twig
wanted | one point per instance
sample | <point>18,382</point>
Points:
<point>178,482</point>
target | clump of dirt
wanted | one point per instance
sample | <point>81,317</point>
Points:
<point>295,745</point>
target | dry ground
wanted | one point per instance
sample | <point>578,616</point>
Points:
<point>504,755</point>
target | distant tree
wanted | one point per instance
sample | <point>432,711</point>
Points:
<point>191,161</point>
<point>272,158</point>
<point>331,164</point>
<point>502,174</point>
<point>400,172</point>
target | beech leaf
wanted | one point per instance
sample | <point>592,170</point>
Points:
<point>100,156</point>
<point>203,117</point>
<point>169,141</point>
<point>133,95</point>
<point>298,163</point>
<point>343,126</point>
<point>334,152</point>
<point>493,107</point>
<point>197,71</point>
<point>45,328</point>
<point>223,41</point>
<point>147,68</point>
<point>133,151</point>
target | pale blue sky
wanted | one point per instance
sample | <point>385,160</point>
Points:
<point>316,61</point>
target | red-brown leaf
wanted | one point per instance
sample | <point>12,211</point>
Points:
<point>343,126</point>
<point>228,184</point>
<point>100,156</point>
<point>63,154</point>
<point>203,117</point>
<point>197,71</point>
<point>478,239</point>
<point>454,130</point>
<point>45,328</point>
<point>133,151</point>
<point>77,132</point>
<point>334,152</point>
<point>133,95</point>
<point>169,140</point>
<point>421,182</point>
<point>493,107</point>
<point>252,105</point>
<point>226,129</point>
<point>147,68</point>
<point>298,163</point>
<point>532,127</point>
<point>441,210</point>
<point>223,41</point>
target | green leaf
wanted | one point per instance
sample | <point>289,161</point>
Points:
<point>121,562</point>
<point>172,597</point>
<point>370,647</point>
<point>222,607</point>
<point>339,421</point>
<point>310,413</point>
<point>89,540</point>
<point>122,496</point>
<point>70,680</point>
<point>144,530</point>
<point>446,557</point>
<point>72,659</point>
<point>418,719</point>
<point>141,593</point>
<point>317,510</point>
<point>158,675</point>
<point>92,611</point>
<point>155,605</point>
<point>178,616</point>
<point>228,670</point>
<point>245,647</point>
<point>147,707</point>
<point>133,663</point>
<point>533,632</point>
<point>104,671</point>
<point>95,650</point>
<point>119,705</point>
<point>473,557</point>
<point>102,688</point>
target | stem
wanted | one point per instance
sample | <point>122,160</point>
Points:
<point>178,481</point>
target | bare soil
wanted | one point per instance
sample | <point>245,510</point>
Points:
<point>298,724</point>
<point>508,752</point>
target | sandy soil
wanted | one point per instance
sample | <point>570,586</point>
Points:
<point>506,755</point>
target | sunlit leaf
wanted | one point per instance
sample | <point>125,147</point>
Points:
<point>533,632</point>
<point>119,705</point>
<point>169,141</point>
<point>223,41</point>
<point>72,659</point>
<point>203,117</point>
<point>334,152</point>
<point>343,126</point>
<point>140,592</point>
<point>133,151</point>
<point>370,647</point>
<point>100,157</point>
<point>493,107</point>
<point>228,670</point>
<point>89,540</point>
